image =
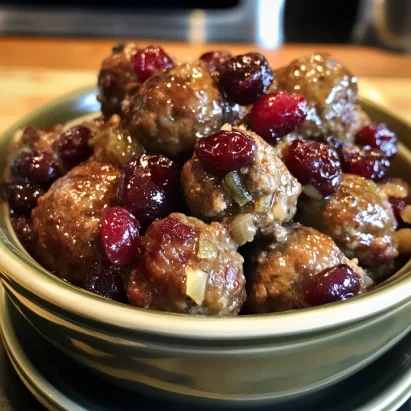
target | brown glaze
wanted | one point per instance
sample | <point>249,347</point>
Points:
<point>358,217</point>
<point>169,247</point>
<point>66,221</point>
<point>275,279</point>
<point>176,107</point>
<point>266,177</point>
<point>331,93</point>
<point>116,80</point>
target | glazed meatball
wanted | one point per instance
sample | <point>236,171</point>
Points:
<point>35,138</point>
<point>279,276</point>
<point>187,266</point>
<point>331,93</point>
<point>268,192</point>
<point>113,143</point>
<point>174,108</point>
<point>358,217</point>
<point>117,81</point>
<point>66,221</point>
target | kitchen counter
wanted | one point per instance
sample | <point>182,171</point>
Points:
<point>33,71</point>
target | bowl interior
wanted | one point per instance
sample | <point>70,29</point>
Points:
<point>18,267</point>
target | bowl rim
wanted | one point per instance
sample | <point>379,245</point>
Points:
<point>86,305</point>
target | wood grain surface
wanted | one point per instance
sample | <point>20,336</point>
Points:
<point>33,71</point>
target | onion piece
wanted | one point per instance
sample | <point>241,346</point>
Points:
<point>405,214</point>
<point>206,249</point>
<point>196,284</point>
<point>310,191</point>
<point>264,204</point>
<point>374,188</point>
<point>98,136</point>
<point>235,189</point>
<point>243,229</point>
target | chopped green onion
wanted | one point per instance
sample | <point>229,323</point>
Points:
<point>235,189</point>
<point>206,249</point>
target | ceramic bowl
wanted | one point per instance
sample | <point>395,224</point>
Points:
<point>239,361</point>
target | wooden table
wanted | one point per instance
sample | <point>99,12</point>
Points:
<point>33,71</point>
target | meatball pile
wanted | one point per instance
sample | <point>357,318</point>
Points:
<point>214,187</point>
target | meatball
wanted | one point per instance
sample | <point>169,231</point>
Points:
<point>279,272</point>
<point>66,221</point>
<point>35,138</point>
<point>187,266</point>
<point>113,144</point>
<point>175,107</point>
<point>331,93</point>
<point>358,217</point>
<point>117,81</point>
<point>268,189</point>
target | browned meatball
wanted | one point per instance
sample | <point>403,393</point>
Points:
<point>112,142</point>
<point>66,221</point>
<point>117,81</point>
<point>358,217</point>
<point>269,192</point>
<point>175,107</point>
<point>35,138</point>
<point>188,266</point>
<point>278,274</point>
<point>331,93</point>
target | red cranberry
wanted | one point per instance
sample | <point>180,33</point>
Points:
<point>215,59</point>
<point>368,163</point>
<point>316,164</point>
<point>245,78</point>
<point>333,284</point>
<point>72,146</point>
<point>120,235</point>
<point>22,227</point>
<point>150,60</point>
<point>105,281</point>
<point>36,166</point>
<point>172,228</point>
<point>149,187</point>
<point>225,151</point>
<point>23,197</point>
<point>277,114</point>
<point>378,136</point>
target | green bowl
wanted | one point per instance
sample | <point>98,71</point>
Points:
<point>238,361</point>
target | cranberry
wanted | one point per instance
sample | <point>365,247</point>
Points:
<point>120,235</point>
<point>215,59</point>
<point>368,163</point>
<point>72,146</point>
<point>36,166</point>
<point>22,227</point>
<point>105,281</point>
<point>225,151</point>
<point>245,78</point>
<point>277,114</point>
<point>149,187</point>
<point>332,284</point>
<point>314,163</point>
<point>23,197</point>
<point>150,60</point>
<point>378,136</point>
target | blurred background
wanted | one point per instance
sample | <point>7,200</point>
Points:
<point>268,23</point>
